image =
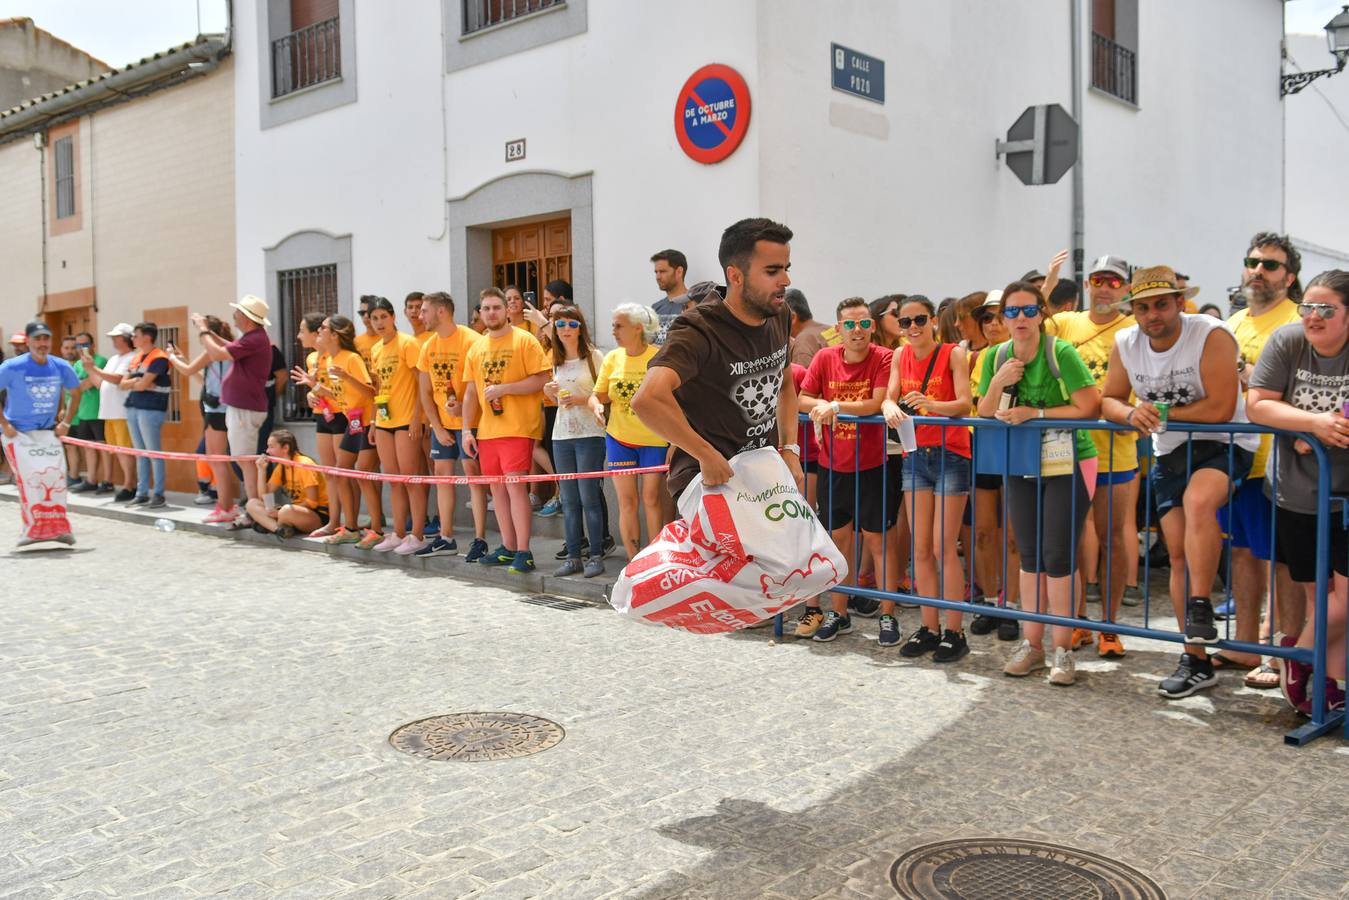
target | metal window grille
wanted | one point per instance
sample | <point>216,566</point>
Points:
<point>168,334</point>
<point>1114,68</point>
<point>65,177</point>
<point>480,14</point>
<point>309,56</point>
<point>312,289</point>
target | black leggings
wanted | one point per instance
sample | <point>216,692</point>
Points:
<point>1062,521</point>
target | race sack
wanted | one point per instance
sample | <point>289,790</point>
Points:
<point>39,464</point>
<point>739,553</point>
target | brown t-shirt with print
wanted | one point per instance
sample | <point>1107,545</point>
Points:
<point>731,375</point>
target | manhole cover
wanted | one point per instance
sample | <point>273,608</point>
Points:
<point>476,736</point>
<point>998,869</point>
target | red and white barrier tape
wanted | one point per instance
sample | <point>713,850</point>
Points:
<point>362,476</point>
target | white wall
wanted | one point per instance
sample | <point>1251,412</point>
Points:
<point>21,226</point>
<point>1317,133</point>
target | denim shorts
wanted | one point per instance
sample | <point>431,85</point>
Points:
<point>943,472</point>
<point>1169,475</point>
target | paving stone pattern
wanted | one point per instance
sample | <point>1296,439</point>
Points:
<point>184,716</point>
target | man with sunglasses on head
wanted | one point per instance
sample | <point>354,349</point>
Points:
<point>1186,362</point>
<point>1269,273</point>
<point>1092,333</point>
<point>366,339</point>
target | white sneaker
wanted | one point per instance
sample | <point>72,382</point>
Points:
<point>411,544</point>
<point>1064,670</point>
<point>390,542</point>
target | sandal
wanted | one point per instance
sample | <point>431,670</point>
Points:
<point>1221,660</point>
<point>1263,678</point>
<point>323,531</point>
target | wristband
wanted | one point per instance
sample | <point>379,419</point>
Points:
<point>834,405</point>
<point>1041,413</point>
<point>792,448</point>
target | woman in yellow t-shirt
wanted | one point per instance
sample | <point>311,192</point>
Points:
<point>306,489</point>
<point>629,444</point>
<point>341,421</point>
<point>398,428</point>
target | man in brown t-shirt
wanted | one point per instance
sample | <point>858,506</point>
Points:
<point>717,386</point>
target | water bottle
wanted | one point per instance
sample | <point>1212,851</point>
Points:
<point>164,525</point>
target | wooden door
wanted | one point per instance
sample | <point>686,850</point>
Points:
<point>530,256</point>
<point>67,322</point>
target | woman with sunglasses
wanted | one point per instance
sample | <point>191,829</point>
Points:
<point>1024,387</point>
<point>887,332</point>
<point>1302,384</point>
<point>578,439</point>
<point>928,378</point>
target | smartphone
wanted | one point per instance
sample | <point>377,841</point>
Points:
<point>529,297</point>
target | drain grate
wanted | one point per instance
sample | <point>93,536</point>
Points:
<point>552,602</point>
<point>477,736</point>
<point>1004,869</point>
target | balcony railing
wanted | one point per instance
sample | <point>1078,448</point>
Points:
<point>1114,69</point>
<point>480,14</point>
<point>306,57</point>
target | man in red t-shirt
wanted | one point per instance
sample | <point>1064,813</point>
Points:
<point>855,485</point>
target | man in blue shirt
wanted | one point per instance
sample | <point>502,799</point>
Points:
<point>36,415</point>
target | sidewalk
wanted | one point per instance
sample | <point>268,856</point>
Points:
<point>187,517</point>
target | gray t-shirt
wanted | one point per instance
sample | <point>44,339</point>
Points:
<point>667,309</point>
<point>1307,380</point>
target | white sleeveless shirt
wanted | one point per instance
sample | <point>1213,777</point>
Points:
<point>1173,376</point>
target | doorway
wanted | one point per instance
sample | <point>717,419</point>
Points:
<point>529,256</point>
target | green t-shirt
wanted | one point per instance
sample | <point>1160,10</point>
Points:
<point>88,408</point>
<point>1038,388</point>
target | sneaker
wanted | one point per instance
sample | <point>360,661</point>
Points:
<point>1009,630</point>
<point>1025,659</point>
<point>432,528</point>
<point>391,542</point>
<point>889,631</point>
<point>106,488</point>
<point>1334,693</point>
<point>204,499</point>
<point>1064,670</point>
<point>1109,646</point>
<point>73,482</point>
<point>124,495</point>
<point>534,502</point>
<point>1081,638</point>
<point>411,544</point>
<point>1193,674</point>
<point>1199,627</point>
<point>476,550</point>
<point>1226,610</point>
<point>809,623</point>
<point>439,547</point>
<point>953,646</point>
<point>607,548</point>
<point>551,508</point>
<point>219,516</point>
<point>867,580</point>
<point>498,557</point>
<point>284,532</point>
<point>569,567</point>
<point>84,487</point>
<point>982,624</point>
<point>1132,596</point>
<point>369,538</point>
<point>523,563</point>
<point>920,642</point>
<point>157,502</point>
<point>594,567</point>
<point>864,607</point>
<point>562,555</point>
<point>1092,592</point>
<point>343,536</point>
<point>1293,679</point>
<point>973,593</point>
<point>833,625</point>
<point>140,500</point>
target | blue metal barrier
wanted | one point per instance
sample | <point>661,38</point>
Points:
<point>1322,720</point>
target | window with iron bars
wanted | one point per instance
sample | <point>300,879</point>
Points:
<point>65,177</point>
<point>309,290</point>
<point>309,56</point>
<point>480,14</point>
<point>168,334</point>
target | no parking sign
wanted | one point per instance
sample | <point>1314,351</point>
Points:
<point>712,113</point>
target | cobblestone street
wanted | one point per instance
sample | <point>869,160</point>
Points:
<point>183,715</point>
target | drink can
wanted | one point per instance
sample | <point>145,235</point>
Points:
<point>1163,412</point>
<point>1345,412</point>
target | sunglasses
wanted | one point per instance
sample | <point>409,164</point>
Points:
<point>850,324</point>
<point>364,313</point>
<point>981,316</point>
<point>566,323</point>
<point>907,321</point>
<point>1114,282</point>
<point>1325,311</point>
<point>1030,312</point>
<point>1269,265</point>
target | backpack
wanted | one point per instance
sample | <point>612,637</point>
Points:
<point>1004,353</point>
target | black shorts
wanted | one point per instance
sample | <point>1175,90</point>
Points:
<point>390,430</point>
<point>356,441</point>
<point>88,430</point>
<point>215,421</point>
<point>1295,543</point>
<point>337,426</point>
<point>840,494</point>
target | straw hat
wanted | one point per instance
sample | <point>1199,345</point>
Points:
<point>1156,281</point>
<point>254,308</point>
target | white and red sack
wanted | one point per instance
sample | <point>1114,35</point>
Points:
<point>740,553</point>
<point>38,462</point>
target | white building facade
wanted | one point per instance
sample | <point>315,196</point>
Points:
<point>378,144</point>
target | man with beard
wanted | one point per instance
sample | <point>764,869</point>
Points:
<point>717,387</point>
<point>1188,363</point>
<point>670,267</point>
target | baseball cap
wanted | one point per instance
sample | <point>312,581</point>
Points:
<point>37,329</point>
<point>1109,263</point>
<point>121,329</point>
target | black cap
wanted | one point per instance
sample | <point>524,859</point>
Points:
<point>37,329</point>
<point>1033,275</point>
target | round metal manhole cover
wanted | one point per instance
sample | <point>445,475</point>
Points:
<point>1002,869</point>
<point>477,736</point>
